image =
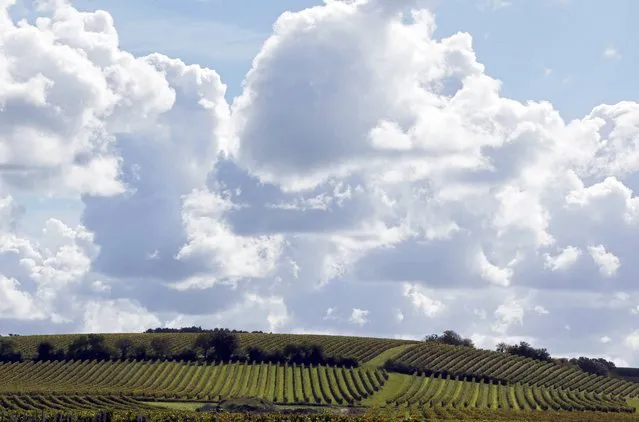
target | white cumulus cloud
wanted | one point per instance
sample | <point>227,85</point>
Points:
<point>364,153</point>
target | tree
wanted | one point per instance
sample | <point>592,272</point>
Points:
<point>160,346</point>
<point>46,351</point>
<point>8,352</point>
<point>255,354</point>
<point>185,355</point>
<point>431,337</point>
<point>293,353</point>
<point>316,354</point>
<point>502,347</point>
<point>467,343</point>
<point>124,345</point>
<point>204,342</point>
<point>598,366</point>
<point>526,350</point>
<point>450,337</point>
<point>140,352</point>
<point>90,346</point>
<point>225,345</point>
<point>219,344</point>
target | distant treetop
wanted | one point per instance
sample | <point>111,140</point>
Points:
<point>195,329</point>
<point>450,337</point>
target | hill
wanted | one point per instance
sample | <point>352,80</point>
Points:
<point>428,380</point>
<point>359,348</point>
<point>505,368</point>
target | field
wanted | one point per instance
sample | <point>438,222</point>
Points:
<point>185,381</point>
<point>360,348</point>
<point>512,369</point>
<point>441,383</point>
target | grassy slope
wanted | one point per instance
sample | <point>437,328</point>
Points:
<point>391,386</point>
<point>175,405</point>
<point>379,360</point>
<point>633,402</point>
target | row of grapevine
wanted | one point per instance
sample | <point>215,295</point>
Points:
<point>380,415</point>
<point>359,348</point>
<point>194,381</point>
<point>436,391</point>
<point>464,361</point>
<point>62,402</point>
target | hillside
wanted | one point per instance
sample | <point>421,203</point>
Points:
<point>500,367</point>
<point>359,348</point>
<point>435,381</point>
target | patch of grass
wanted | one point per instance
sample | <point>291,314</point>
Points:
<point>390,388</point>
<point>175,405</point>
<point>380,359</point>
<point>633,402</point>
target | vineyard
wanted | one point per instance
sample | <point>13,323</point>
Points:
<point>376,415</point>
<point>67,402</point>
<point>191,381</point>
<point>500,367</point>
<point>359,348</point>
<point>395,379</point>
<point>30,385</point>
<point>434,391</point>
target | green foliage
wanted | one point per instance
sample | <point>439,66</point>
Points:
<point>91,346</point>
<point>46,351</point>
<point>526,350</point>
<point>160,346</point>
<point>8,351</point>
<point>124,345</point>
<point>218,345</point>
<point>450,337</point>
<point>597,366</point>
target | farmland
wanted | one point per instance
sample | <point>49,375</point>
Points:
<point>185,381</point>
<point>360,348</point>
<point>436,381</point>
<point>511,369</point>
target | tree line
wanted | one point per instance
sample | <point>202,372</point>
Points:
<point>450,337</point>
<point>526,350</point>
<point>198,329</point>
<point>597,366</point>
<point>209,346</point>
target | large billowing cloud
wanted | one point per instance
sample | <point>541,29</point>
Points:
<point>370,179</point>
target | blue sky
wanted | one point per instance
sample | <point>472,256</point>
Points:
<point>298,166</point>
<point>516,43</point>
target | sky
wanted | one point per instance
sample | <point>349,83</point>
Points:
<point>368,167</point>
